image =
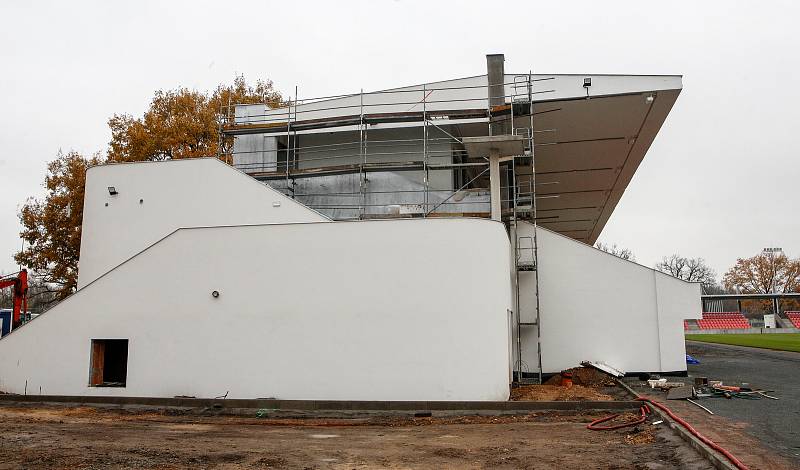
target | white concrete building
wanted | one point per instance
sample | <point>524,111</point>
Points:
<point>378,246</point>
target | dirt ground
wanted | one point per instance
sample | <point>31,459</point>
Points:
<point>558,393</point>
<point>57,437</point>
<point>588,385</point>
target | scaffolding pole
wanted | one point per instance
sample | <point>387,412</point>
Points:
<point>425,148</point>
<point>288,140</point>
<point>535,228</point>
<point>529,194</point>
<point>362,150</point>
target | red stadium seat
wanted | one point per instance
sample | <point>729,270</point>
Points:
<point>794,317</point>
<point>725,321</point>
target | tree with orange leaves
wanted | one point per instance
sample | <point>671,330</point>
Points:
<point>766,273</point>
<point>183,123</point>
<point>51,227</point>
<point>179,123</point>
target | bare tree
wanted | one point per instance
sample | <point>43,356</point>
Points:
<point>5,295</point>
<point>617,251</point>
<point>41,296</point>
<point>689,269</point>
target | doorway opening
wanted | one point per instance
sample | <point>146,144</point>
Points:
<point>109,363</point>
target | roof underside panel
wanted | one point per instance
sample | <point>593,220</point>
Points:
<point>586,153</point>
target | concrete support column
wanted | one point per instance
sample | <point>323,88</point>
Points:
<point>494,184</point>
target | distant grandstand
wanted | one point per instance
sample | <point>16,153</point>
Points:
<point>716,319</point>
<point>736,321</point>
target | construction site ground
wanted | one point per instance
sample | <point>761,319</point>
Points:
<point>733,435</point>
<point>40,436</point>
<point>762,433</point>
<point>773,426</point>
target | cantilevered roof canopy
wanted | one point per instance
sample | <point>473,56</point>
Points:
<point>586,153</point>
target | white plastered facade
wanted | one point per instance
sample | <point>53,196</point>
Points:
<point>313,309</point>
<point>380,310</point>
<point>598,307</point>
<point>155,198</point>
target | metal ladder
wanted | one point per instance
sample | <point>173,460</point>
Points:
<point>524,208</point>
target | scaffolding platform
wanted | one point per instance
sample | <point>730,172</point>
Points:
<point>370,167</point>
<point>283,125</point>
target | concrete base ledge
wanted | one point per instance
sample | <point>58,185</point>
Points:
<point>324,406</point>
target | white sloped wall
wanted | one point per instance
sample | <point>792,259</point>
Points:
<point>379,310</point>
<point>155,198</point>
<point>596,306</point>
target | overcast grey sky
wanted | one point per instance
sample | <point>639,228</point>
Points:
<point>720,181</point>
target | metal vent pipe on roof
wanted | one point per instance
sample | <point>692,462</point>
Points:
<point>495,71</point>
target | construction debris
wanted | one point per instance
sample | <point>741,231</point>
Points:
<point>701,406</point>
<point>600,365</point>
<point>662,384</point>
<point>566,378</point>
<point>705,388</point>
<point>716,389</point>
<point>701,381</point>
<point>767,396</point>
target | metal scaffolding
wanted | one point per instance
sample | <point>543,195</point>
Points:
<point>440,150</point>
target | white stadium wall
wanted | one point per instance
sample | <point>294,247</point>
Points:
<point>598,307</point>
<point>311,309</point>
<point>378,310</point>
<point>155,198</point>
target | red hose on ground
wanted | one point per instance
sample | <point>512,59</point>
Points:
<point>594,424</point>
<point>696,434</point>
<point>645,411</point>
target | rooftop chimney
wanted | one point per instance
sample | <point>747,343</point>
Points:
<point>495,72</point>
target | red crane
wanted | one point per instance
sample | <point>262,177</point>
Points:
<point>19,281</point>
